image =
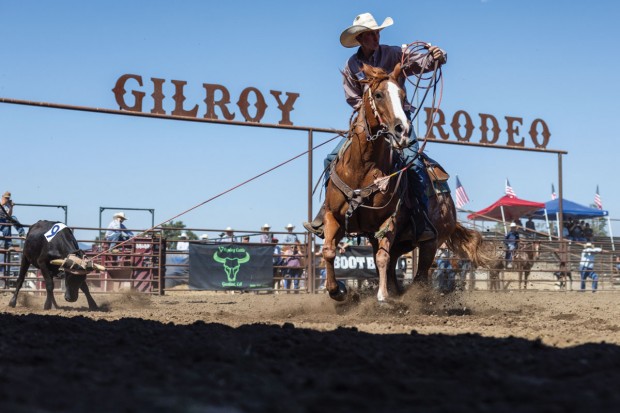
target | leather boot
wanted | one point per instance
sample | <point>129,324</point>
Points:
<point>429,231</point>
<point>316,226</point>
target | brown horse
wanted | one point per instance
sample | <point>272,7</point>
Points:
<point>366,193</point>
<point>523,260</point>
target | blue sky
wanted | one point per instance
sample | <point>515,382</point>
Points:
<point>552,60</point>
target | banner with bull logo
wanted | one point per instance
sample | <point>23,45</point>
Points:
<point>230,266</point>
<point>358,262</point>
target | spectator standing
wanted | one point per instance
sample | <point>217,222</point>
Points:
<point>277,260</point>
<point>566,231</point>
<point>588,233</point>
<point>117,231</point>
<point>290,238</point>
<point>577,231</point>
<point>266,236</point>
<point>183,243</point>
<point>204,238</point>
<point>519,223</point>
<point>6,217</point>
<point>293,270</point>
<point>444,276</point>
<point>530,227</point>
<point>512,243</point>
<point>228,236</point>
<point>586,266</point>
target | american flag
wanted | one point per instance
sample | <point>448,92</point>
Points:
<point>597,199</point>
<point>461,195</point>
<point>554,196</point>
<point>509,190</point>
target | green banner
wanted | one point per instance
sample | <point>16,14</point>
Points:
<point>230,266</point>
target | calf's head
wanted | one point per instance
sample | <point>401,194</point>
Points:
<point>73,282</point>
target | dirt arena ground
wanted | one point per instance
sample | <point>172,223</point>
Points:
<point>217,352</point>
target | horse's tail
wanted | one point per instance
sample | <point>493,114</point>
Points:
<point>468,243</point>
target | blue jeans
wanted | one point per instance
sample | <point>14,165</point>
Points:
<point>6,242</point>
<point>6,231</point>
<point>115,238</point>
<point>444,276</point>
<point>585,273</point>
<point>510,250</point>
<point>293,273</point>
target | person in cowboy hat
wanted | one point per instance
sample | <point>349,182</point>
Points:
<point>228,236</point>
<point>265,236</point>
<point>183,243</point>
<point>366,33</point>
<point>117,231</point>
<point>290,237</point>
<point>512,243</point>
<point>586,266</point>
<point>6,240</point>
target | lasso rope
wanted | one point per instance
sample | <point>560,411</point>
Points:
<point>219,195</point>
<point>433,79</point>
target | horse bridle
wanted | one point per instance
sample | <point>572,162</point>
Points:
<point>382,132</point>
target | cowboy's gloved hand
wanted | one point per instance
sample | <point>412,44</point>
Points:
<point>437,54</point>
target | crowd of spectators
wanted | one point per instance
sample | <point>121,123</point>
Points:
<point>575,230</point>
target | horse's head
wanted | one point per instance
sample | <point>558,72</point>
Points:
<point>383,105</point>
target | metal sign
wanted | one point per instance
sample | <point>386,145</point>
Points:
<point>215,96</point>
<point>462,128</point>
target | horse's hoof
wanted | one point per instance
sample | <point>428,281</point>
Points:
<point>340,294</point>
<point>12,303</point>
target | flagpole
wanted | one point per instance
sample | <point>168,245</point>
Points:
<point>611,235</point>
<point>501,207</point>
<point>548,226</point>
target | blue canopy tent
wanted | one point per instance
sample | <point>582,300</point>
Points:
<point>572,209</point>
<point>569,209</point>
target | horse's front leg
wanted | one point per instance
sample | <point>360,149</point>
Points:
<point>382,263</point>
<point>333,234</point>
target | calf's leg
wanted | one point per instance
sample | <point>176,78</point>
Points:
<point>92,305</point>
<point>23,269</point>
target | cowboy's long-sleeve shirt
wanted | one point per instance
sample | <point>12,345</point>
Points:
<point>386,58</point>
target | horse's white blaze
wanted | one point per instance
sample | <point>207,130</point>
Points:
<point>397,107</point>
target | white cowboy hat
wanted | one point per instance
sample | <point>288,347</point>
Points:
<point>183,235</point>
<point>204,236</point>
<point>266,226</point>
<point>588,245</point>
<point>291,226</point>
<point>228,229</point>
<point>362,23</point>
<point>120,215</point>
<point>512,225</point>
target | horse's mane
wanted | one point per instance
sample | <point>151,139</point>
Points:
<point>374,75</point>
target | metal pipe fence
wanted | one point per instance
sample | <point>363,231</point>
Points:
<point>149,263</point>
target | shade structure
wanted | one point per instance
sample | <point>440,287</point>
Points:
<point>507,208</point>
<point>570,209</point>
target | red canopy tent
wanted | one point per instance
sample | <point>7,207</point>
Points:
<point>507,208</point>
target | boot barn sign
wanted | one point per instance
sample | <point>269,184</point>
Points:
<point>461,126</point>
